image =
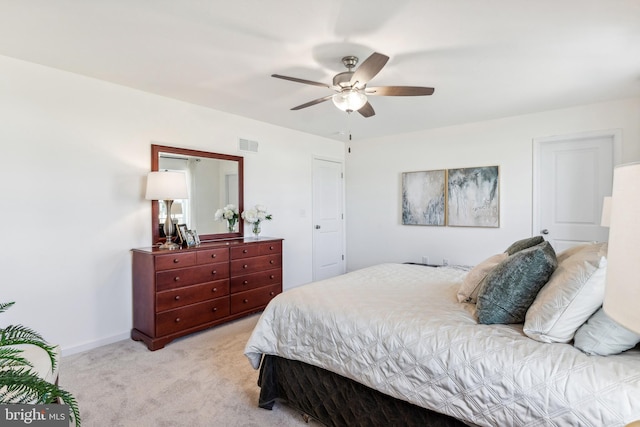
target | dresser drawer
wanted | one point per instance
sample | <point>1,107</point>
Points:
<point>256,280</point>
<point>192,315</point>
<point>245,251</point>
<point>253,299</point>
<point>255,264</point>
<point>270,248</point>
<point>212,255</point>
<point>176,260</point>
<point>180,277</point>
<point>167,300</point>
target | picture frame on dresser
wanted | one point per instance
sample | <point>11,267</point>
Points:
<point>190,239</point>
<point>182,234</point>
<point>196,238</point>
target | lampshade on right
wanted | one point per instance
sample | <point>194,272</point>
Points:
<point>605,219</point>
<point>622,290</point>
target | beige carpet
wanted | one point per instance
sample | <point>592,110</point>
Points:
<point>200,380</point>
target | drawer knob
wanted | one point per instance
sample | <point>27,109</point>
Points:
<point>214,272</point>
<point>214,290</point>
<point>176,260</point>
<point>245,300</point>
<point>177,298</point>
<point>245,266</point>
<point>245,282</point>
<point>244,251</point>
<point>272,293</point>
<point>177,320</point>
<point>176,279</point>
<point>271,262</point>
<point>214,309</point>
<point>270,248</point>
<point>272,277</point>
<point>213,255</point>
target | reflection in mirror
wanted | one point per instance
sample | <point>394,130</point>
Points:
<point>214,180</point>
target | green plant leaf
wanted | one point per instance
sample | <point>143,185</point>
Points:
<point>24,386</point>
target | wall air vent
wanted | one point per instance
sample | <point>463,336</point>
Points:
<point>248,145</point>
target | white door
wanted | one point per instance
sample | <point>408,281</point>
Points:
<point>328,219</point>
<point>572,175</point>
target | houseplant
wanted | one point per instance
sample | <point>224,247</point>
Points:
<point>255,216</point>
<point>18,382</point>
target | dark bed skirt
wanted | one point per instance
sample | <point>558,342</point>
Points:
<point>335,400</point>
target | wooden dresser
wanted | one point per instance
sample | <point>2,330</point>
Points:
<point>178,292</point>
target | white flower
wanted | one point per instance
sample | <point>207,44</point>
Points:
<point>256,214</point>
<point>229,212</point>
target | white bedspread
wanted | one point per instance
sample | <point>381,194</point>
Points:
<point>399,329</point>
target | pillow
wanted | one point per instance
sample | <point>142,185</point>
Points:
<point>573,293</point>
<point>510,288</point>
<point>603,336</point>
<point>524,244</point>
<point>571,251</point>
<point>468,291</point>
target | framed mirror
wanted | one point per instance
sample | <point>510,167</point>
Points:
<point>214,180</point>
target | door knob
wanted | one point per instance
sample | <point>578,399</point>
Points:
<point>317,227</point>
<point>545,231</point>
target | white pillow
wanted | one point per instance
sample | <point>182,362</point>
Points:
<point>603,336</point>
<point>571,251</point>
<point>468,291</point>
<point>574,292</point>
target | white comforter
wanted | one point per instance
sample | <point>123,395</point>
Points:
<point>398,328</point>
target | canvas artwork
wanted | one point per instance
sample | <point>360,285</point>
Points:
<point>423,198</point>
<point>473,197</point>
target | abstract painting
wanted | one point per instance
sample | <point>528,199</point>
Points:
<point>473,197</point>
<point>423,197</point>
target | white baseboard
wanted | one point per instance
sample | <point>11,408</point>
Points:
<point>68,351</point>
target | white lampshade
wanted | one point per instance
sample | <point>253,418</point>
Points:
<point>622,290</point>
<point>165,185</point>
<point>605,220</point>
<point>349,100</point>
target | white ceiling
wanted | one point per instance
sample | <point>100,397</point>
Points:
<point>485,58</point>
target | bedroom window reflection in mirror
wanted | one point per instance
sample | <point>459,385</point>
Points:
<point>214,180</point>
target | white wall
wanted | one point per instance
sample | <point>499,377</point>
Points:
<point>374,169</point>
<point>75,153</point>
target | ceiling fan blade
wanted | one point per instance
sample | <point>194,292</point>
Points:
<point>367,110</point>
<point>314,102</point>
<point>399,91</point>
<point>369,68</point>
<point>297,80</point>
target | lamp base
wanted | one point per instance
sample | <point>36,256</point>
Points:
<point>170,245</point>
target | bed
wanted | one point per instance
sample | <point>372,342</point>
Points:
<point>392,344</point>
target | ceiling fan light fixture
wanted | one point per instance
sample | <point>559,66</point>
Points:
<point>349,100</point>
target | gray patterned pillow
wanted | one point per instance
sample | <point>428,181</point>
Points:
<point>510,288</point>
<point>524,244</point>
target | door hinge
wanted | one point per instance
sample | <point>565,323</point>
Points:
<point>342,175</point>
<point>343,257</point>
<point>341,216</point>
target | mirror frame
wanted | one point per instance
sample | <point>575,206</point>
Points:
<point>155,210</point>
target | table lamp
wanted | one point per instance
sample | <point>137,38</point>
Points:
<point>622,288</point>
<point>167,186</point>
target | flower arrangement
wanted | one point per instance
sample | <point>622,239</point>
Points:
<point>255,216</point>
<point>230,214</point>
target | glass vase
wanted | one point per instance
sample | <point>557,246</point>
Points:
<point>231,225</point>
<point>256,230</point>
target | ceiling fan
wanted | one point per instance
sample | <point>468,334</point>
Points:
<point>351,86</point>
